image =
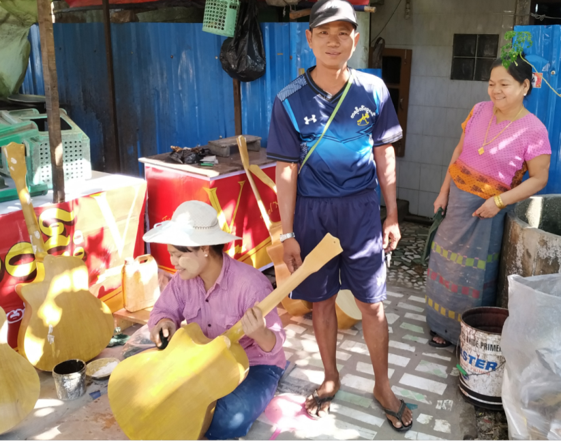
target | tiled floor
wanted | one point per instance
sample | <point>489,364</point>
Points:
<point>423,376</point>
<point>406,268</point>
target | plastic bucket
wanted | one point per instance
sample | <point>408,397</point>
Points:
<point>481,356</point>
<point>70,379</point>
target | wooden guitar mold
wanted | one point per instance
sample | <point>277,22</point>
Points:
<point>62,319</point>
<point>172,393</point>
<point>19,382</point>
<point>275,251</point>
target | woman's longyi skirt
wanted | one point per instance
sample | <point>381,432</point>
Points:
<point>464,264</point>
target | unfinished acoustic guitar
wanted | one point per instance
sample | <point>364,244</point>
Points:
<point>347,311</point>
<point>171,394</point>
<point>19,382</point>
<point>275,250</point>
<point>62,319</point>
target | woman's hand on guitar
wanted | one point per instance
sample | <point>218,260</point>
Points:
<point>168,329</point>
<point>292,256</point>
<point>255,327</point>
<point>253,323</point>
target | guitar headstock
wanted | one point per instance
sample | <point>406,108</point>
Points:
<point>328,248</point>
<point>15,160</point>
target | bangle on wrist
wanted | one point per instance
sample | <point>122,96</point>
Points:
<point>499,202</point>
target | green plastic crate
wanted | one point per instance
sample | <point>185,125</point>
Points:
<point>76,149</point>
<point>14,130</point>
<point>220,17</point>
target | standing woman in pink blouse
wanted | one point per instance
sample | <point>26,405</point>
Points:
<point>215,291</point>
<point>501,140</point>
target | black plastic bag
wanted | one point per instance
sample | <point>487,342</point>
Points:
<point>243,57</point>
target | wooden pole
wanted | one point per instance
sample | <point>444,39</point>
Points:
<point>237,107</point>
<point>51,95</point>
<point>112,152</point>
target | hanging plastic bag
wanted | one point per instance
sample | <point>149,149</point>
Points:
<point>243,56</point>
<point>531,345</point>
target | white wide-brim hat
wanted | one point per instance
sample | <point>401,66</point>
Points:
<point>193,224</point>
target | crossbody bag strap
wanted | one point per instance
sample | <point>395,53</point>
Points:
<point>347,87</point>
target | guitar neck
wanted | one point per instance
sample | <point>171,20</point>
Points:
<point>15,157</point>
<point>242,146</point>
<point>326,250</point>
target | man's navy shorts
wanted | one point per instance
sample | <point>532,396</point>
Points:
<point>355,221</point>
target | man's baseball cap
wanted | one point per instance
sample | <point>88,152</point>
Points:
<point>327,11</point>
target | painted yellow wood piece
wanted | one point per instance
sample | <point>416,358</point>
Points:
<point>171,394</point>
<point>275,251</point>
<point>347,311</point>
<point>62,319</point>
<point>19,382</point>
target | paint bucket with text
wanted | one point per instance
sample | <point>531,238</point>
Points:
<point>481,359</point>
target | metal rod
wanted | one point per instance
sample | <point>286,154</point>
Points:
<point>237,107</point>
<point>51,96</point>
<point>112,151</point>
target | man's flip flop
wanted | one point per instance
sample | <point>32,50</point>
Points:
<point>398,415</point>
<point>435,344</point>
<point>319,401</point>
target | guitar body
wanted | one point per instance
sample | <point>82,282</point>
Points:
<point>172,393</point>
<point>19,382</point>
<point>62,319</point>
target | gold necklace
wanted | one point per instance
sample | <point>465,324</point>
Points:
<point>485,143</point>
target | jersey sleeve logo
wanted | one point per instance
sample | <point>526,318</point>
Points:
<point>365,114</point>
<point>309,120</point>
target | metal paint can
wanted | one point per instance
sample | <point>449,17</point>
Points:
<point>70,379</point>
<point>481,357</point>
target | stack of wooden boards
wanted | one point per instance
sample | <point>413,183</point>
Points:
<point>62,319</point>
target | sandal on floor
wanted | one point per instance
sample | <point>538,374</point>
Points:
<point>319,401</point>
<point>435,344</point>
<point>398,415</point>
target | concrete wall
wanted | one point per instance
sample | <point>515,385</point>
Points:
<point>437,105</point>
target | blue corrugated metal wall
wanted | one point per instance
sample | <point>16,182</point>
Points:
<point>287,51</point>
<point>170,86</point>
<point>545,55</point>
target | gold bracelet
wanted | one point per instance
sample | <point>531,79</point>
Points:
<point>499,202</point>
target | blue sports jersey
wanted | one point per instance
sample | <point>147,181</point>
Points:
<point>342,163</point>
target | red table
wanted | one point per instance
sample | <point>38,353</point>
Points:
<point>223,186</point>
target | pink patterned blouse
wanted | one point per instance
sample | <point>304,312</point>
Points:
<point>503,162</point>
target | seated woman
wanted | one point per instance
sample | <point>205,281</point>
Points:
<point>215,291</point>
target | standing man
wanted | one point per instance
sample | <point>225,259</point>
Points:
<point>330,186</point>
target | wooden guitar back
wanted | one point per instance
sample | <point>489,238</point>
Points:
<point>19,382</point>
<point>171,394</point>
<point>62,319</point>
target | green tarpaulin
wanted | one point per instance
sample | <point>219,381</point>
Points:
<point>16,17</point>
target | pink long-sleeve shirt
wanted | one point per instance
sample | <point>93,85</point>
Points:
<point>236,290</point>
